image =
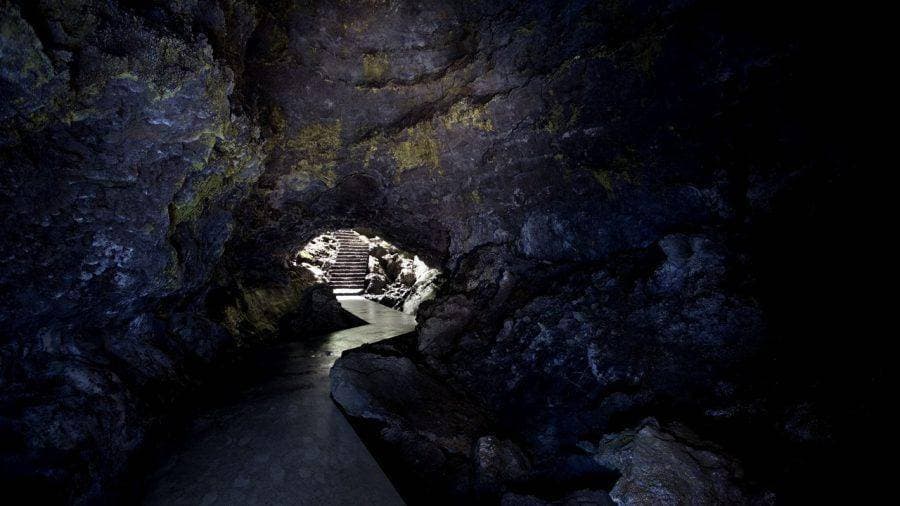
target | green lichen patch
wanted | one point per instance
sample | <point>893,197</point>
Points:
<point>323,171</point>
<point>624,168</point>
<point>317,139</point>
<point>647,51</point>
<point>463,114</point>
<point>356,26</point>
<point>191,209</point>
<point>277,121</point>
<point>317,146</point>
<point>375,66</point>
<point>259,311</point>
<point>24,61</point>
<point>526,30</point>
<point>561,118</point>
<point>419,149</point>
<point>604,177</point>
<point>367,149</point>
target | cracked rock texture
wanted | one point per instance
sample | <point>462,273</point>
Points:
<point>664,466</point>
<point>633,203</point>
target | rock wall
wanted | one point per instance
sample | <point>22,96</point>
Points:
<point>628,198</point>
<point>397,279</point>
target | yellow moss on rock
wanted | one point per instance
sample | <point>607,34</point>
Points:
<point>317,146</point>
<point>206,190</point>
<point>375,66</point>
<point>556,121</point>
<point>622,169</point>
<point>463,114</point>
<point>419,149</point>
<point>604,177</point>
<point>258,311</point>
<point>323,172</point>
<point>318,138</point>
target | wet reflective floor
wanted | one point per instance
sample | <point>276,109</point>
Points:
<point>282,440</point>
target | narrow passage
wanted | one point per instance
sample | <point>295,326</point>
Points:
<point>283,441</point>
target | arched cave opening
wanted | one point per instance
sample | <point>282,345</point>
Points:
<point>360,262</point>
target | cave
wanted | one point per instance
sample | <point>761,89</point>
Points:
<point>438,252</point>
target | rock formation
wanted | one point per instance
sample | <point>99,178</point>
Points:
<point>397,279</point>
<point>640,209</point>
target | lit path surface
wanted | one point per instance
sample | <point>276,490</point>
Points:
<point>283,441</point>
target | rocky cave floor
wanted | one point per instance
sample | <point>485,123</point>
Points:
<point>629,231</point>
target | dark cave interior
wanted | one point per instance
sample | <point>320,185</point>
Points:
<point>642,218</point>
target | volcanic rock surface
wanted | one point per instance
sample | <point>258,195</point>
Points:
<point>633,203</point>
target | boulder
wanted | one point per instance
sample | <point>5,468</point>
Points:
<point>392,263</point>
<point>375,266</point>
<point>428,432</point>
<point>407,276</point>
<point>671,465</point>
<point>498,461</point>
<point>375,283</point>
<point>425,288</point>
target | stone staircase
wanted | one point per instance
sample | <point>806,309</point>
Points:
<point>348,274</point>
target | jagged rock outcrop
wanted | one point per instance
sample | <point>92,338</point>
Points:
<point>627,199</point>
<point>417,421</point>
<point>672,466</point>
<point>397,279</point>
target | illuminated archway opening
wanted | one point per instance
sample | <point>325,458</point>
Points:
<point>358,262</point>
